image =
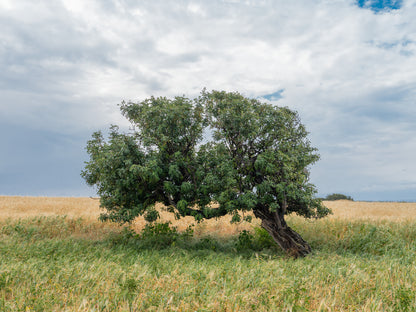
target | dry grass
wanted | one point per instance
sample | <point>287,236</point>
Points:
<point>392,211</point>
<point>14,207</point>
<point>17,207</point>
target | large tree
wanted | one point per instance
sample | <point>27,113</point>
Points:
<point>255,157</point>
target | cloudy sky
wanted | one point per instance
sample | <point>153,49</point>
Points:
<point>348,67</point>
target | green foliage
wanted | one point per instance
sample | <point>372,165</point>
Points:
<point>257,240</point>
<point>122,174</point>
<point>151,214</point>
<point>162,231</point>
<point>245,241</point>
<point>208,243</point>
<point>262,239</point>
<point>336,196</point>
<point>258,158</point>
<point>154,235</point>
<point>269,153</point>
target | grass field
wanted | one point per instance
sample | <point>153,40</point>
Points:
<point>56,256</point>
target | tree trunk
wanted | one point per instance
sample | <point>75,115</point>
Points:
<point>290,241</point>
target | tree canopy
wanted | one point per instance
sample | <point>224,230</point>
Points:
<point>220,153</point>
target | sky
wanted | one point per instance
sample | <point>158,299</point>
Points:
<point>348,67</point>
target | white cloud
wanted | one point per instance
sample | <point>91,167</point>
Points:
<point>349,72</point>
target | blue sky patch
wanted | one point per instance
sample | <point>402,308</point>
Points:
<point>380,5</point>
<point>274,96</point>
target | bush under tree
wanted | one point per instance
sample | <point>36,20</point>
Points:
<point>257,160</point>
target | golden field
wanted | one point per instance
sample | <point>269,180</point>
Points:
<point>392,211</point>
<point>16,207</point>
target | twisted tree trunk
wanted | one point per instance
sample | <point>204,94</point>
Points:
<point>274,223</point>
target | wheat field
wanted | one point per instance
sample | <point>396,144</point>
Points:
<point>20,207</point>
<point>16,207</point>
<point>392,211</point>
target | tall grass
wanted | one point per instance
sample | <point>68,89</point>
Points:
<point>64,264</point>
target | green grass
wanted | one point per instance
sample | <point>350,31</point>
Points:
<point>61,264</point>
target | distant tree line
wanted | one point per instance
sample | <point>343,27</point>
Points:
<point>336,196</point>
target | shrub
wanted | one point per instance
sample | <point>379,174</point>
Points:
<point>245,241</point>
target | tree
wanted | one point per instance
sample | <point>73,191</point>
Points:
<point>257,160</point>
